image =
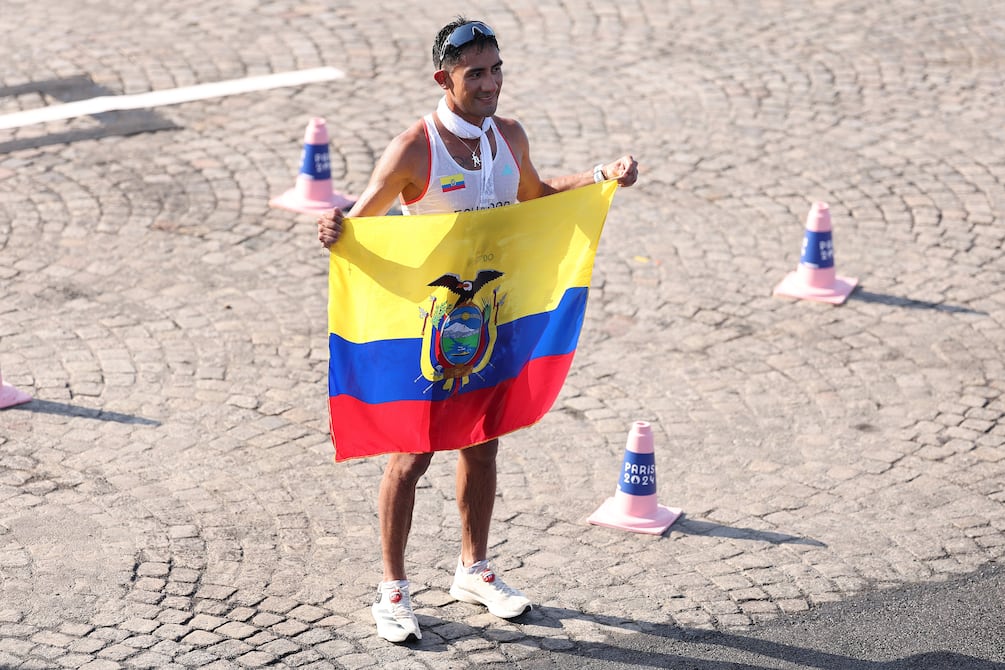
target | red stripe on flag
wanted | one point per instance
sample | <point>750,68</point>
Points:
<point>414,426</point>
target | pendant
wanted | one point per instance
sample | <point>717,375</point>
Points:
<point>476,160</point>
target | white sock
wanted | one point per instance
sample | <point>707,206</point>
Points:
<point>387,586</point>
<point>478,566</point>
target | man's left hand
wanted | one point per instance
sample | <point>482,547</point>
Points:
<point>625,170</point>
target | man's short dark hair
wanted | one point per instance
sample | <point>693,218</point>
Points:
<point>452,55</point>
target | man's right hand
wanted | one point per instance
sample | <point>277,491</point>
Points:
<point>330,227</point>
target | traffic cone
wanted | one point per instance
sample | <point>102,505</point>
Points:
<point>634,506</point>
<point>10,396</point>
<point>313,192</point>
<point>816,278</point>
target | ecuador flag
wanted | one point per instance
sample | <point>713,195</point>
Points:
<point>449,330</point>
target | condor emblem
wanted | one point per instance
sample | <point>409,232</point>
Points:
<point>458,338</point>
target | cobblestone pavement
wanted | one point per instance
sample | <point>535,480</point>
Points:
<point>169,499</point>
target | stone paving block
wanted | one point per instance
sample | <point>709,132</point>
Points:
<point>255,659</point>
<point>206,622</point>
<point>13,646</point>
<point>229,649</point>
<point>52,639</point>
<point>201,638</point>
<point>195,659</point>
<point>289,628</point>
<point>214,591</point>
<point>360,661</point>
<point>277,605</point>
<point>149,660</point>
<point>211,607</point>
<point>73,660</point>
<point>100,664</point>
<point>141,641</point>
<point>117,652</point>
<point>174,616</point>
<point>110,634</point>
<point>184,575</point>
<point>262,620</point>
<point>146,597</point>
<point>172,631</point>
<point>303,658</point>
<point>235,630</point>
<point>153,569</point>
<point>279,647</point>
<point>307,613</point>
<point>223,665</point>
<point>87,645</point>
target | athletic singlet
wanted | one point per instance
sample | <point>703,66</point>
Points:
<point>451,188</point>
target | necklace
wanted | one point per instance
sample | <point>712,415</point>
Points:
<point>474,157</point>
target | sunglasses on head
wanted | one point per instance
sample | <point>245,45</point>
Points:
<point>463,35</point>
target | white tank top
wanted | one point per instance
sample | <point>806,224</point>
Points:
<point>451,188</point>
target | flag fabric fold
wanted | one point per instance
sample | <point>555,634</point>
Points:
<point>448,330</point>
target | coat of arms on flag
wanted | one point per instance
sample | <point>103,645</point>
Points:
<point>449,330</point>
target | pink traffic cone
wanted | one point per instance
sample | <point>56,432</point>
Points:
<point>313,192</point>
<point>816,278</point>
<point>10,396</point>
<point>634,506</point>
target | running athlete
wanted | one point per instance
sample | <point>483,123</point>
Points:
<point>461,157</point>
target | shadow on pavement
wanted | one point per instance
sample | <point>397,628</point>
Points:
<point>691,649</point>
<point>897,301</point>
<point>113,124</point>
<point>695,527</point>
<point>64,409</point>
<point>75,89</point>
<point>797,657</point>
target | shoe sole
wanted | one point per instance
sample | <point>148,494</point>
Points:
<point>468,597</point>
<point>396,634</point>
<point>411,637</point>
<point>397,638</point>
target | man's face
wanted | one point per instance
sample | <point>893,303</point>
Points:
<point>473,85</point>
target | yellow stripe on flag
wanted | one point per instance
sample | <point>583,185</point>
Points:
<point>381,268</point>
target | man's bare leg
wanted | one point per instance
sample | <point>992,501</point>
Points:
<point>476,490</point>
<point>476,494</point>
<point>394,505</point>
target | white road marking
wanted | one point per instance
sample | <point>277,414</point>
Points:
<point>171,96</point>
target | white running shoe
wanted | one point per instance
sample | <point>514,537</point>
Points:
<point>392,611</point>
<point>485,587</point>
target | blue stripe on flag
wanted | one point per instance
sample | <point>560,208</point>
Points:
<point>386,370</point>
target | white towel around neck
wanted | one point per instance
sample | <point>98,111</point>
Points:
<point>469,131</point>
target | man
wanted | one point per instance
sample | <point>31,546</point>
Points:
<point>463,142</point>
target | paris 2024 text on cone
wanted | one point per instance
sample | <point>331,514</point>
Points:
<point>635,506</point>
<point>10,396</point>
<point>816,277</point>
<point>313,192</point>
